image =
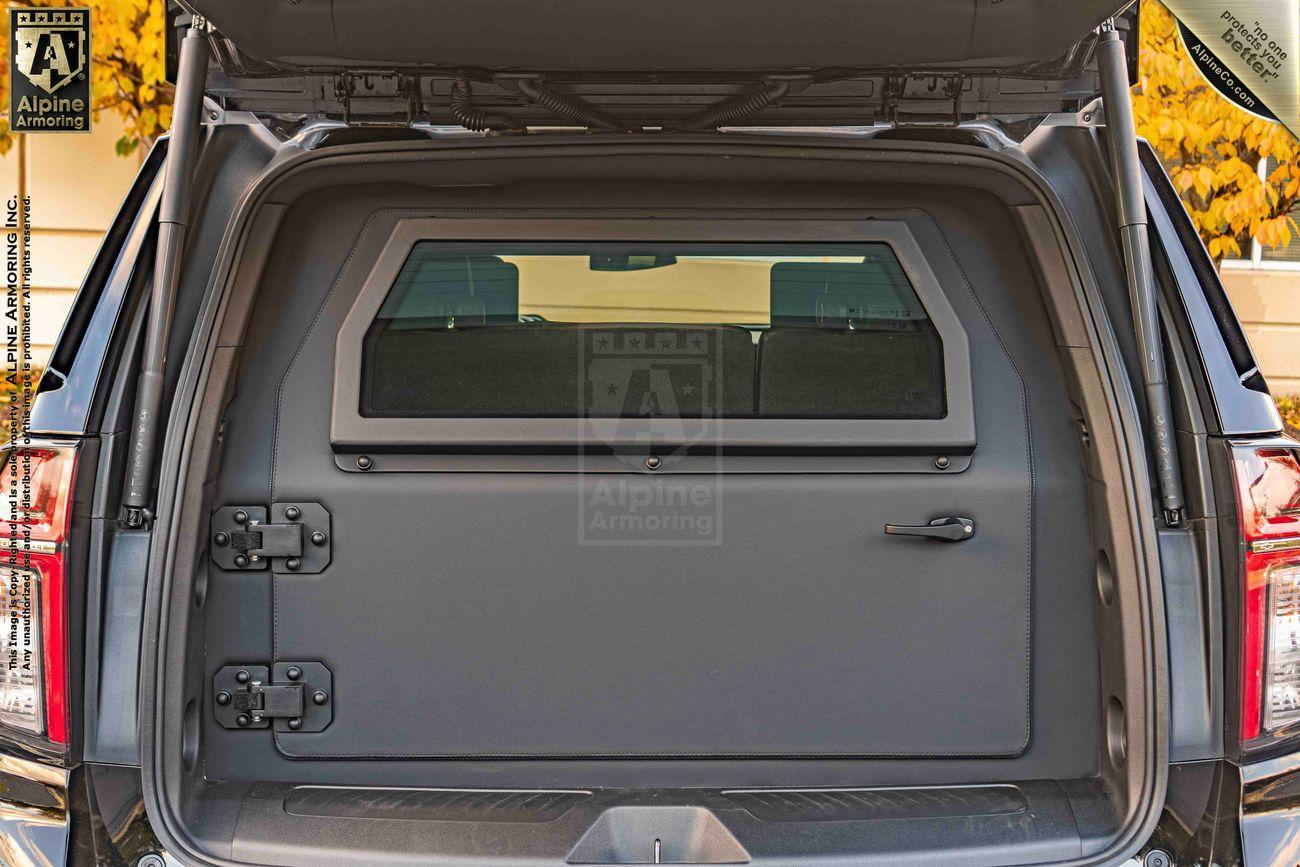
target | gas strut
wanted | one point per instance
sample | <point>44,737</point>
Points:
<point>1137,264</point>
<point>173,217</point>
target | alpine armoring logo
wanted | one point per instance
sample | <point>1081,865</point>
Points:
<point>49,64</point>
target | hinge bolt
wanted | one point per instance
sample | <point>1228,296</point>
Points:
<point>242,720</point>
<point>319,697</point>
<point>653,462</point>
<point>223,698</point>
<point>222,539</point>
<point>293,513</point>
<point>293,564</point>
<point>318,538</point>
<point>293,673</point>
<point>240,517</point>
<point>243,676</point>
<point>295,724</point>
<point>241,561</point>
<point>942,462</point>
<point>363,463</point>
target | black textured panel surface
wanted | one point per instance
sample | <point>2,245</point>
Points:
<point>431,805</point>
<point>836,805</point>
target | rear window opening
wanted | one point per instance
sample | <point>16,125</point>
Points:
<point>666,330</point>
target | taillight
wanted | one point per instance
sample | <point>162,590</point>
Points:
<point>1268,499</point>
<point>36,483</point>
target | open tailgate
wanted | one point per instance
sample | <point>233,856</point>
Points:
<point>651,64</point>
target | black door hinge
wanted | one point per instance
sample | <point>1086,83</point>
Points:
<point>288,696</point>
<point>296,538</point>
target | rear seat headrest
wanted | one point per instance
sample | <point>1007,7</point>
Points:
<point>871,293</point>
<point>439,289</point>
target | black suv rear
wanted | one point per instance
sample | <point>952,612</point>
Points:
<point>602,440</point>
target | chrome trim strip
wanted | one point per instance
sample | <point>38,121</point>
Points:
<point>48,775</point>
<point>32,546</point>
<point>1269,546</point>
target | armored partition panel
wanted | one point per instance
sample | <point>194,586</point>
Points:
<point>525,612</point>
<point>351,431</point>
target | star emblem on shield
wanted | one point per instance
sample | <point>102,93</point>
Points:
<point>51,55</point>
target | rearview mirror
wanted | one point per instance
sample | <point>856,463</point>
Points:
<point>630,262</point>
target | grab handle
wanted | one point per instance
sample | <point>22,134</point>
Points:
<point>942,529</point>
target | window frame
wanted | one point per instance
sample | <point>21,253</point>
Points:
<point>350,431</point>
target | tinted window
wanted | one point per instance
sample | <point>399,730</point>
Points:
<point>564,330</point>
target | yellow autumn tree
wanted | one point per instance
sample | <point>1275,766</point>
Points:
<point>1212,149</point>
<point>127,67</point>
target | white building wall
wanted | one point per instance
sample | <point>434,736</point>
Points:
<point>76,182</point>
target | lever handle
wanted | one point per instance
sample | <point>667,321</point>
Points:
<point>943,529</point>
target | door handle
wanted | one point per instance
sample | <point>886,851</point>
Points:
<point>943,529</point>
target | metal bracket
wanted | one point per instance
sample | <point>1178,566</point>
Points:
<point>405,89</point>
<point>289,697</point>
<point>895,89</point>
<point>295,538</point>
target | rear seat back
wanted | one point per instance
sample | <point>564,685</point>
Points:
<point>560,370</point>
<point>842,373</point>
<point>848,340</point>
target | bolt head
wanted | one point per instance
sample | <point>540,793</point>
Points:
<point>242,676</point>
<point>240,517</point>
<point>942,462</point>
<point>293,673</point>
<point>223,698</point>
<point>363,463</point>
<point>293,513</point>
<point>319,697</point>
<point>293,564</point>
<point>653,462</point>
<point>222,539</point>
<point>242,720</point>
<point>318,538</point>
<point>241,561</point>
<point>295,723</point>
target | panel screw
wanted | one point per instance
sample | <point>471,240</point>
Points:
<point>223,698</point>
<point>942,462</point>
<point>295,724</point>
<point>241,561</point>
<point>222,539</point>
<point>293,673</point>
<point>293,513</point>
<point>1157,858</point>
<point>318,538</point>
<point>363,463</point>
<point>242,676</point>
<point>292,564</point>
<point>242,720</point>
<point>151,860</point>
<point>240,517</point>
<point>319,697</point>
<point>652,462</point>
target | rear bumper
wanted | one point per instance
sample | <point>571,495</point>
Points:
<point>34,812</point>
<point>94,814</point>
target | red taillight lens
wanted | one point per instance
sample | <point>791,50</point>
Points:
<point>36,485</point>
<point>1268,499</point>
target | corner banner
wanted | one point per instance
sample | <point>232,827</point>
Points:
<point>1248,50</point>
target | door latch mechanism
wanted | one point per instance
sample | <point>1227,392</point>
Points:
<point>943,529</point>
<point>295,538</point>
<point>288,696</point>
